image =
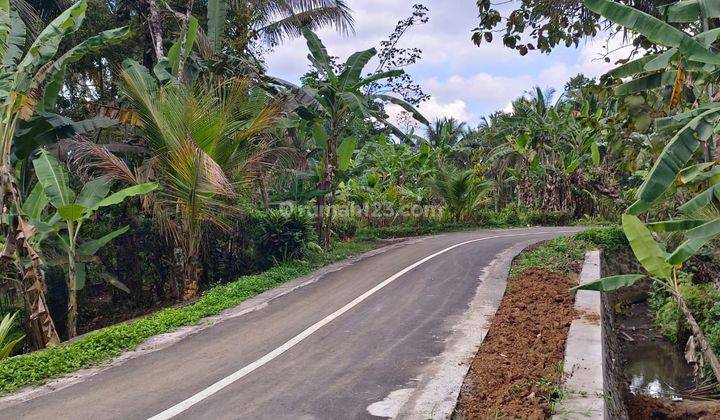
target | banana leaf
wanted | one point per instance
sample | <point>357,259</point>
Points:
<point>701,200</point>
<point>608,284</point>
<point>678,120</point>
<point>47,42</point>
<point>119,196</point>
<point>674,225</point>
<point>354,67</point>
<point>35,203</point>
<point>404,105</point>
<point>54,78</point>
<point>54,180</point>
<point>13,32</point>
<point>687,11</point>
<point>174,52</point>
<point>688,174</point>
<point>646,250</point>
<point>46,128</point>
<point>319,54</point>
<point>632,68</point>
<point>655,30</point>
<point>345,153</point>
<point>645,83</point>
<point>89,248</point>
<point>378,76</point>
<point>676,155</point>
<point>356,103</point>
<point>696,239</point>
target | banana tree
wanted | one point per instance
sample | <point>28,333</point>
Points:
<point>687,67</point>
<point>70,212</point>
<point>673,168</point>
<point>30,82</point>
<point>335,102</point>
<point>662,267</point>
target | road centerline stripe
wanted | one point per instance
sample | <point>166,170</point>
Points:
<point>239,374</point>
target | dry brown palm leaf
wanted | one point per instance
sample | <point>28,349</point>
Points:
<point>92,160</point>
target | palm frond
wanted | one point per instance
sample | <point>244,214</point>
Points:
<point>278,20</point>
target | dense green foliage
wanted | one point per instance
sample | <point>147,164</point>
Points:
<point>285,235</point>
<point>704,302</point>
<point>243,160</point>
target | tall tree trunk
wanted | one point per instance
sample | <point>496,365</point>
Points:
<point>72,311</point>
<point>72,285</point>
<point>698,334</point>
<point>263,191</point>
<point>155,29</point>
<point>17,250</point>
<point>319,216</point>
<point>183,42</point>
<point>327,184</point>
<point>191,277</point>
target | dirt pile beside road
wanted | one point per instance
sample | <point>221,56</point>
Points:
<point>517,370</point>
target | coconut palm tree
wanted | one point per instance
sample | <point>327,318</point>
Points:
<point>446,132</point>
<point>271,22</point>
<point>205,147</point>
<point>461,191</point>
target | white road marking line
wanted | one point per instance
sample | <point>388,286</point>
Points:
<point>228,380</point>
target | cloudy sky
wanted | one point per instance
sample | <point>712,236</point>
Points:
<point>465,81</point>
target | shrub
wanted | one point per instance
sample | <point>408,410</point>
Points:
<point>557,255</point>
<point>284,234</point>
<point>553,218</point>
<point>345,228</point>
<point>509,216</point>
<point>607,238</point>
<point>703,301</point>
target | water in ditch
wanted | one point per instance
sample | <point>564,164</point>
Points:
<point>654,366</point>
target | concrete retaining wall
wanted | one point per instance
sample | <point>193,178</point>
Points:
<point>583,365</point>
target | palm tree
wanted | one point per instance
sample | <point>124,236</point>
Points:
<point>461,191</point>
<point>446,132</point>
<point>270,22</point>
<point>205,146</point>
<point>333,104</point>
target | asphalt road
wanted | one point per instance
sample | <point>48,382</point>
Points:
<point>327,350</point>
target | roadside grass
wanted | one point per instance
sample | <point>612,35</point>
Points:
<point>106,343</point>
<point>559,255</point>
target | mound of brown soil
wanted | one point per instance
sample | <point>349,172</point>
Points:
<point>517,370</point>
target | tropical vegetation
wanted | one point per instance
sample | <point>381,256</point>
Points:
<point>179,169</point>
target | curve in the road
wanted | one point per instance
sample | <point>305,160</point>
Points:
<point>235,376</point>
<point>337,345</point>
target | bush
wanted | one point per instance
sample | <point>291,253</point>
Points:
<point>509,216</point>
<point>284,234</point>
<point>345,228</point>
<point>557,255</point>
<point>553,218</point>
<point>607,238</point>
<point>704,303</point>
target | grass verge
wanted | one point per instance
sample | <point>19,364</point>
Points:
<point>559,255</point>
<point>106,343</point>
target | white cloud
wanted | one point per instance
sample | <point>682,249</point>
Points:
<point>434,109</point>
<point>464,81</point>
